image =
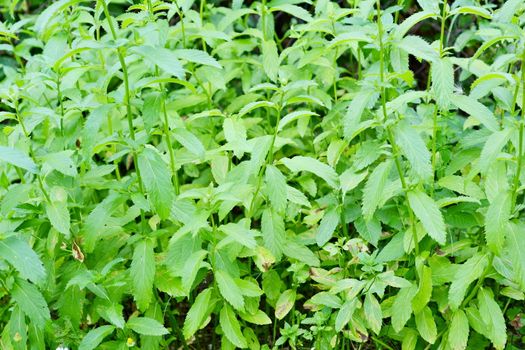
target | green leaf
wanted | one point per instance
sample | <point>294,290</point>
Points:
<point>492,148</point>
<point>157,181</point>
<point>344,315</point>
<point>516,250</point>
<point>151,110</point>
<point>496,220</point>
<point>95,337</point>
<point>414,149</point>
<point>458,331</point>
<point>61,162</point>
<point>163,58</point>
<point>24,259</point>
<point>467,273</point>
<point>189,141</point>
<point>442,81</point>
<point>428,213</point>
<point>374,188</point>
<point>327,227</point>
<point>17,158</point>
<point>31,301</point>
<point>308,164</point>
<point>419,48</point>
<point>197,313</point>
<point>57,211</point>
<point>424,292</point>
<point>258,318</point>
<point>426,326</point>
<point>231,327</point>
<point>294,10</point>
<point>477,110</point>
<point>276,188</point>
<point>272,228</point>
<point>402,307</point>
<point>355,110</point>
<point>229,289</point>
<point>284,303</point>
<point>373,313</point>
<point>146,326</point>
<point>142,272</point>
<point>196,56</point>
<point>292,116</point>
<point>270,59</point>
<point>254,105</point>
<point>237,232</point>
<point>493,318</point>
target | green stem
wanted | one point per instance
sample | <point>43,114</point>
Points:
<point>127,99</point>
<point>269,160</point>
<point>516,183</point>
<point>390,136</point>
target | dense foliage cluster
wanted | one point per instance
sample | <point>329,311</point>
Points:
<point>282,174</point>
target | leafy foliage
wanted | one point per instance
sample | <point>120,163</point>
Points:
<point>264,175</point>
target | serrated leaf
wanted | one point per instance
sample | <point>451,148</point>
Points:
<point>492,148</point>
<point>477,110</point>
<point>258,318</point>
<point>57,210</point>
<point>314,166</point>
<point>294,10</point>
<point>270,59</point>
<point>231,327</point>
<point>95,337</point>
<point>162,57</point>
<point>355,110</point>
<point>442,81</point>
<point>414,149</point>
<point>146,326</point>
<point>402,307</point>
<point>496,220</point>
<point>493,318</point>
<point>24,259</point>
<point>467,273</point>
<point>157,181</point>
<point>142,271</point>
<point>429,214</point>
<point>418,47</point>
<point>424,291</point>
<point>276,188</point>
<point>327,227</point>
<point>196,56</point>
<point>458,331</point>
<point>17,158</point>
<point>237,232</point>
<point>229,289</point>
<point>272,228</point>
<point>31,301</point>
<point>373,191</point>
<point>189,141</point>
<point>515,246</point>
<point>426,326</point>
<point>197,313</point>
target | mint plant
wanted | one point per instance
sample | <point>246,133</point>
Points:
<point>279,174</point>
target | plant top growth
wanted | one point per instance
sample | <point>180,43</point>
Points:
<point>280,174</point>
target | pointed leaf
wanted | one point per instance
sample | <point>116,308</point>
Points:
<point>142,272</point>
<point>156,177</point>
<point>428,213</point>
<point>24,259</point>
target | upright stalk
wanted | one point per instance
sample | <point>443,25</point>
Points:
<point>390,136</point>
<point>269,160</point>
<point>127,99</point>
<point>516,183</point>
<point>436,108</point>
